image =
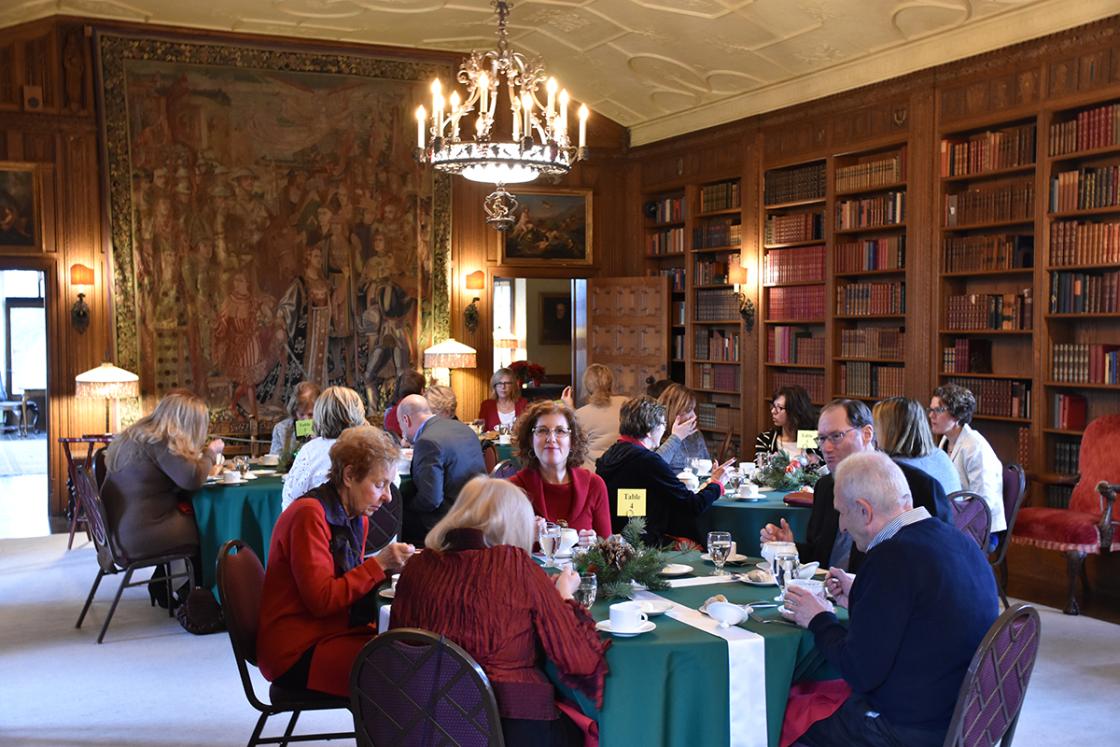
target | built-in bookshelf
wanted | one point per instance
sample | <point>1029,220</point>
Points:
<point>794,279</point>
<point>1081,327</point>
<point>665,217</point>
<point>986,265</point>
<point>868,307</point>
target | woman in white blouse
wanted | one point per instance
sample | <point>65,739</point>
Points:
<point>950,412</point>
<point>336,409</point>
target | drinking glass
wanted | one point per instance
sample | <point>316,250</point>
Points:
<point>587,540</point>
<point>785,570</point>
<point>242,465</point>
<point>719,547</point>
<point>550,540</point>
<point>587,590</point>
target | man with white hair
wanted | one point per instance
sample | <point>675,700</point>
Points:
<point>922,602</point>
<point>445,455</point>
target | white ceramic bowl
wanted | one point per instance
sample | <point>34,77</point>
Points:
<point>726,613</point>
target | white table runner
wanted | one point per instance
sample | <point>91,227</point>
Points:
<point>746,668</point>
<point>680,583</point>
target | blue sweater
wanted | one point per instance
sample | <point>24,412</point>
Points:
<point>919,607</point>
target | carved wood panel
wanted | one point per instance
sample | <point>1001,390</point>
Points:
<point>628,325</point>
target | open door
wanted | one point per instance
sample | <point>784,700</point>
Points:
<point>628,329</point>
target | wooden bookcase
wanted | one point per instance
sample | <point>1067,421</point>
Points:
<point>665,215</point>
<point>986,259</point>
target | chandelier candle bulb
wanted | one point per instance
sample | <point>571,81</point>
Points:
<point>527,110</point>
<point>516,120</point>
<point>483,93</point>
<point>583,113</point>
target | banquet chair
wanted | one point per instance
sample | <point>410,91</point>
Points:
<point>111,561</point>
<point>971,516</point>
<point>993,689</point>
<point>489,456</point>
<point>413,687</point>
<point>73,459</point>
<point>505,469</point>
<point>240,582</point>
<point>385,522</point>
<point>1088,526</point>
<point>1014,491</point>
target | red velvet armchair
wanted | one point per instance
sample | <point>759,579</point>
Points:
<point>1089,525</point>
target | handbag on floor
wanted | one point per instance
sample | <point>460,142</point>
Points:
<point>200,613</point>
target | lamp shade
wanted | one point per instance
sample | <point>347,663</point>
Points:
<point>507,340</point>
<point>81,275</point>
<point>476,281</point>
<point>736,274</point>
<point>107,382</point>
<point>450,354</point>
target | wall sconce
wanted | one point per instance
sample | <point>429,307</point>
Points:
<point>80,277</point>
<point>476,281</point>
<point>739,276</point>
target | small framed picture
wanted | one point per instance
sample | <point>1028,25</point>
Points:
<point>556,319</point>
<point>551,226</point>
<point>20,207</point>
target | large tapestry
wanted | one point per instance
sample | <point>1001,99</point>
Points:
<point>269,223</point>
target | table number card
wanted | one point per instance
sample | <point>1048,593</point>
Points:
<point>806,439</point>
<point>304,428</point>
<point>632,502</point>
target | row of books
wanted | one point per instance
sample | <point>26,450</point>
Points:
<point>715,376</point>
<point>669,241</point>
<point>679,317</point>
<point>989,151</point>
<point>861,379</point>
<point>1084,292</point>
<point>882,210</point>
<point>997,311</point>
<point>873,342</point>
<point>967,356</point>
<point>723,232</point>
<point>1068,412</point>
<point>804,264</point>
<point>884,253</point>
<point>676,278</point>
<point>713,269</point>
<point>1058,496</point>
<point>871,299</point>
<point>872,171</point>
<point>1023,449</point>
<point>668,210</point>
<point>795,185</point>
<point>1093,128</point>
<point>716,305</point>
<point>792,227</point>
<point>722,196</point>
<point>998,398</point>
<point>678,346</point>
<point>794,304</point>
<point>716,345</point>
<point>811,381</point>
<point>714,415</point>
<point>1085,189</point>
<point>988,252</point>
<point>1085,363</point>
<point>1067,457</point>
<point>1084,243</point>
<point>990,203</point>
<point>786,344</point>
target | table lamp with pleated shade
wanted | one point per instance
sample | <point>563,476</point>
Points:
<point>111,384</point>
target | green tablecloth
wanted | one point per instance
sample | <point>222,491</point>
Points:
<point>745,519</point>
<point>246,512</point>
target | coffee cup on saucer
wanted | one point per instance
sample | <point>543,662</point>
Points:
<point>627,617</point>
<point>813,586</point>
<point>270,460</point>
<point>748,489</point>
<point>230,477</point>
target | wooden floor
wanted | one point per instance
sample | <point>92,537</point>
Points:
<point>1040,576</point>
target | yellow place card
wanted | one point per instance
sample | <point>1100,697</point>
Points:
<point>806,439</point>
<point>304,428</point>
<point>632,502</point>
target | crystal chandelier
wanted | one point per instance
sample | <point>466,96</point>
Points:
<point>536,143</point>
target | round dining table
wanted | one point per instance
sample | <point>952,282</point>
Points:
<point>745,519</point>
<point>247,511</point>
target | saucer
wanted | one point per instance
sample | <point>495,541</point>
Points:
<point>263,472</point>
<point>675,569</point>
<point>226,482</point>
<point>743,577</point>
<point>605,626</point>
<point>747,498</point>
<point>387,593</point>
<point>653,608</point>
<point>736,558</point>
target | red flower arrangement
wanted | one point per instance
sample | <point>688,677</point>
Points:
<point>526,372</point>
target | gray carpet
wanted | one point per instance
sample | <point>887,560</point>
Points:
<point>152,684</point>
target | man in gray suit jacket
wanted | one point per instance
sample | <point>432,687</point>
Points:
<point>445,454</point>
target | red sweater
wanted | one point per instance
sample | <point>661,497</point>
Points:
<point>303,603</point>
<point>590,508</point>
<point>488,412</point>
<point>503,609</point>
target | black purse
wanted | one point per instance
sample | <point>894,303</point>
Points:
<point>200,614</point>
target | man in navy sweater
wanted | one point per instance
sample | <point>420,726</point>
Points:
<point>922,602</point>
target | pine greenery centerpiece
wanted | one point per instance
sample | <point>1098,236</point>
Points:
<point>617,561</point>
<point>783,473</point>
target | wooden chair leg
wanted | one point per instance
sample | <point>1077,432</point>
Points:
<point>1075,564</point>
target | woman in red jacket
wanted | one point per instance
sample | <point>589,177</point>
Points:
<point>507,404</point>
<point>316,605</point>
<point>552,446</point>
<point>478,586</point>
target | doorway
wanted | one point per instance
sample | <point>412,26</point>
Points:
<point>540,320</point>
<point>23,401</point>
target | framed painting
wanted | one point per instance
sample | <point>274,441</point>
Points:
<point>20,207</point>
<point>556,319</point>
<point>552,226</point>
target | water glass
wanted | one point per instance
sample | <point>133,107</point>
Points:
<point>587,590</point>
<point>719,548</point>
<point>785,570</point>
<point>587,539</point>
<point>550,541</point>
<point>242,466</point>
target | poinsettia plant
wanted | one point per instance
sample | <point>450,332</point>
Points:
<point>526,372</point>
<point>783,473</point>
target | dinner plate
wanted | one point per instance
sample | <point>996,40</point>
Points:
<point>387,593</point>
<point>675,569</point>
<point>736,558</point>
<point>605,626</point>
<point>655,607</point>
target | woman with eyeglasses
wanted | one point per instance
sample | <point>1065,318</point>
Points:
<point>552,446</point>
<point>792,411</point>
<point>507,404</point>
<point>950,413</point>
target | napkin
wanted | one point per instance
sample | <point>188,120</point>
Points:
<point>799,499</point>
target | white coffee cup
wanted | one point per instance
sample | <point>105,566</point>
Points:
<point>627,617</point>
<point>504,439</point>
<point>703,466</point>
<point>771,549</point>
<point>231,477</point>
<point>814,587</point>
<point>270,460</point>
<point>746,469</point>
<point>568,539</point>
<point>748,489</point>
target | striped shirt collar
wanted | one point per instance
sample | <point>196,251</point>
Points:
<point>904,519</point>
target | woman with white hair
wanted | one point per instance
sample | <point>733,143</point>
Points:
<point>337,409</point>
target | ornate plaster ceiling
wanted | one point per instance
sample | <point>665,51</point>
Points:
<point>659,67</point>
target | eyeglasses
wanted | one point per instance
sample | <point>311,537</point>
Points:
<point>835,437</point>
<point>938,410</point>
<point>544,433</point>
<point>774,406</point>
<point>504,383</point>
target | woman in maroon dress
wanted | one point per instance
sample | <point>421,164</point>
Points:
<point>552,446</point>
<point>478,586</point>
